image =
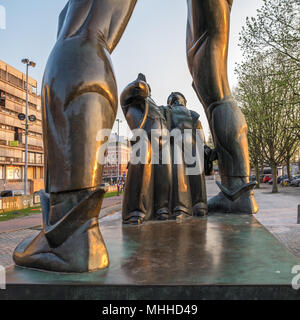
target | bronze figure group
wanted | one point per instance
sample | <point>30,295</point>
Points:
<point>157,189</point>
<point>79,98</point>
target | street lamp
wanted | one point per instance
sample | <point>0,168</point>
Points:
<point>28,64</point>
<point>118,140</point>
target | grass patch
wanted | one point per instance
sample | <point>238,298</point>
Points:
<point>14,214</point>
<point>9,215</point>
<point>112,194</point>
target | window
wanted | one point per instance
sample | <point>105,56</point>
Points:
<point>39,158</point>
<point>13,173</point>
<point>31,157</point>
<point>2,98</point>
<point>18,134</point>
<point>16,81</point>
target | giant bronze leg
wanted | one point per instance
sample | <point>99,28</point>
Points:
<point>207,47</point>
<point>79,98</point>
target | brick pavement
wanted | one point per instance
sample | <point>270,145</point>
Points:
<point>12,232</point>
<point>9,241</point>
<point>277,212</point>
<point>36,219</point>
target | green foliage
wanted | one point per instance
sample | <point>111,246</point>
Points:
<point>276,28</point>
<point>269,82</point>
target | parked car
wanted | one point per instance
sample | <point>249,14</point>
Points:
<point>11,193</point>
<point>279,179</point>
<point>104,185</point>
<point>267,178</point>
<point>296,181</point>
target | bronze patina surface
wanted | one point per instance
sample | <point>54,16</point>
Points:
<point>157,190</point>
<point>193,197</point>
<point>207,48</point>
<point>79,98</point>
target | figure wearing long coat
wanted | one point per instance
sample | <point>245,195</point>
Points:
<point>188,189</point>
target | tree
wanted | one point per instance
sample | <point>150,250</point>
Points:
<point>270,110</point>
<point>276,28</point>
<point>269,80</point>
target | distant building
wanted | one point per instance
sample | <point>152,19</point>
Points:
<point>12,132</point>
<point>295,163</point>
<point>116,154</point>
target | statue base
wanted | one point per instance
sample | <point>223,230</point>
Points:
<point>219,257</point>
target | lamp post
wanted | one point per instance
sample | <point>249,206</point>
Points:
<point>28,64</point>
<point>118,164</point>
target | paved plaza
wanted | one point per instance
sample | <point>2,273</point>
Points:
<point>278,213</point>
<point>12,232</point>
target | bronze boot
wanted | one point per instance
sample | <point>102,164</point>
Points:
<point>70,240</point>
<point>229,130</point>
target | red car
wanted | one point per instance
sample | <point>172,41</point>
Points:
<point>267,178</point>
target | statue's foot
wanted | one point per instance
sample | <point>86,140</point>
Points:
<point>161,214</point>
<point>179,215</point>
<point>135,218</point>
<point>245,204</point>
<point>161,217</point>
<point>83,251</point>
<point>200,209</point>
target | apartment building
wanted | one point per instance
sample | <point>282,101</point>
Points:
<point>12,131</point>
<point>117,155</point>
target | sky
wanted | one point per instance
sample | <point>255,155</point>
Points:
<point>153,43</point>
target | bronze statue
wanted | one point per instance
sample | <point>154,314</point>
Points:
<point>79,98</point>
<point>161,190</point>
<point>189,190</point>
<point>207,47</point>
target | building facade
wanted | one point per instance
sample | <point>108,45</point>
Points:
<point>12,132</point>
<point>295,163</point>
<point>117,156</point>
